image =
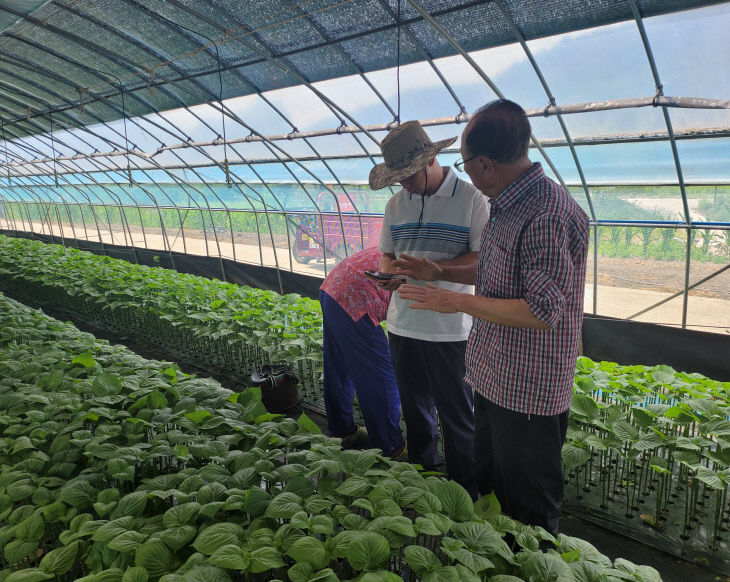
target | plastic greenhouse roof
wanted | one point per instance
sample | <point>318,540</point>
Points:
<point>76,58</point>
<point>175,102</point>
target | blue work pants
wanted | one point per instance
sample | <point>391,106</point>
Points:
<point>357,359</point>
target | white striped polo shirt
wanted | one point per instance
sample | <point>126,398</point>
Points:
<point>442,226</point>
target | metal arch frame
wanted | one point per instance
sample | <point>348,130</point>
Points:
<point>25,145</point>
<point>226,167</point>
<point>120,204</point>
<point>552,101</point>
<point>667,120</point>
<point>337,45</point>
<point>149,50</point>
<point>125,63</point>
<point>91,160</point>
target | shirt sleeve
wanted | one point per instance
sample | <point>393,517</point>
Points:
<point>547,268</point>
<point>479,219</point>
<point>386,241</point>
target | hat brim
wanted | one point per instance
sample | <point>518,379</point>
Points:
<point>382,176</point>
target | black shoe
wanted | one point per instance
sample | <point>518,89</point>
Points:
<point>357,440</point>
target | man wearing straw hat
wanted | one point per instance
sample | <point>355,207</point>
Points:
<point>439,217</point>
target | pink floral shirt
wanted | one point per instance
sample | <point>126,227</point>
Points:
<point>353,291</point>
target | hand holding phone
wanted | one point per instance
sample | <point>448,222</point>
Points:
<point>380,276</point>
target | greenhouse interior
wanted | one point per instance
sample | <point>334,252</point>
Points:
<point>180,177</point>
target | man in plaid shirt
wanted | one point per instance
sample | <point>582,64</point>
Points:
<point>528,312</point>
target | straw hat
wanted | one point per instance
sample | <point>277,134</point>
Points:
<point>406,150</point>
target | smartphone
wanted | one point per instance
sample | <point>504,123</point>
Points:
<point>378,276</point>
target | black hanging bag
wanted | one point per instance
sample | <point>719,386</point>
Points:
<point>278,385</point>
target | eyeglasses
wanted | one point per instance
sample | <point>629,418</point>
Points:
<point>459,164</point>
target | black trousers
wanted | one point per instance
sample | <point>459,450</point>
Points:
<point>518,456</point>
<point>430,378</point>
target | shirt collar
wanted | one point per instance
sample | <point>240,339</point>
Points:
<point>447,186</point>
<point>518,189</point>
<point>445,190</point>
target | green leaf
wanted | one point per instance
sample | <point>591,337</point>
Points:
<point>527,541</point>
<point>472,561</point>
<point>300,572</point>
<point>177,537</point>
<point>32,528</point>
<point>284,505</point>
<point>198,416</point>
<point>643,573</point>
<point>400,525</point>
<point>544,566</point>
<point>79,494</point>
<point>127,542</point>
<point>425,526</point>
<point>85,360</point>
<point>22,443</point>
<point>482,538</point>
<point>706,476</point>
<point>231,557</point>
<point>135,574</point>
<point>421,560</point>
<point>28,575</point>
<point>583,407</point>
<point>354,487</point>
<point>625,431</point>
<point>574,456</point>
<point>256,502</point>
<point>60,560</point>
<point>264,559</point>
<point>571,556</point>
<point>112,529</point>
<point>218,535</point>
<point>368,551</point>
<point>132,504</point>
<point>455,501</point>
<point>17,550</point>
<point>487,507</point>
<point>310,550</point>
<point>427,503</point>
<point>106,384</point>
<point>155,557</point>
<point>322,524</point>
<point>183,514</point>
<point>308,425</point>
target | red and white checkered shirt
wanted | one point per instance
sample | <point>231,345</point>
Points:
<point>534,248</point>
